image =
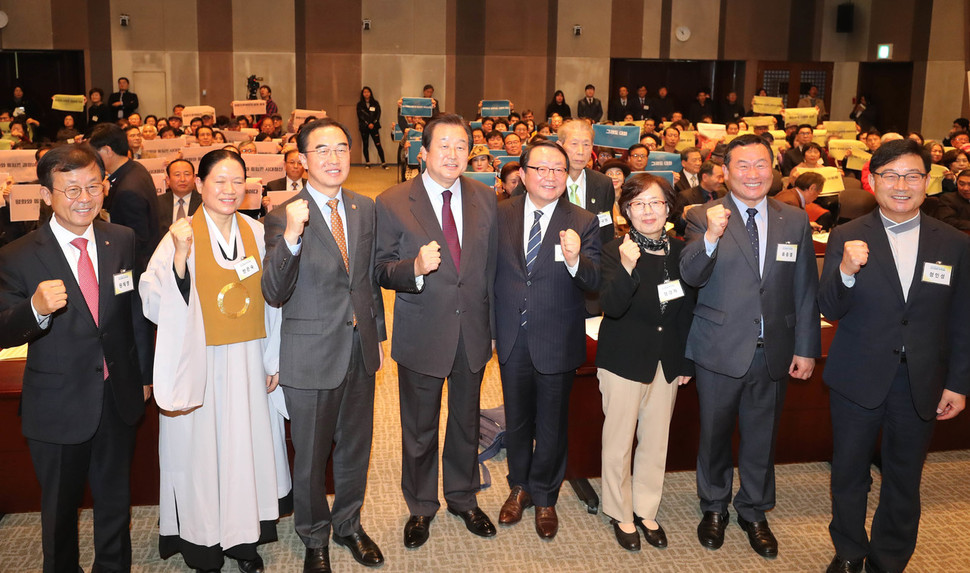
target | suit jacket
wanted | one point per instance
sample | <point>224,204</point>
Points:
<point>690,196</point>
<point>453,302</point>
<point>320,299</point>
<point>733,299</point>
<point>129,101</point>
<point>954,210</point>
<point>63,386</point>
<point>875,323</point>
<point>600,197</point>
<point>280,184</point>
<point>555,301</point>
<point>642,110</point>
<point>134,204</point>
<point>684,183</point>
<point>618,111</point>
<point>166,201</point>
<point>594,110</point>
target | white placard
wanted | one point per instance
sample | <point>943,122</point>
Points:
<point>194,154</point>
<point>254,194</point>
<point>164,148</point>
<point>265,166</point>
<point>161,183</point>
<point>20,164</point>
<point>248,107</point>
<point>712,130</point>
<point>25,202</point>
<point>194,111</point>
<point>267,147</point>
<point>154,165</point>
<point>838,147</point>
<point>277,198</point>
<point>833,179</point>
<point>300,116</point>
<point>233,136</point>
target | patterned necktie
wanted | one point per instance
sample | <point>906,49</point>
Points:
<point>532,252</point>
<point>574,194</point>
<point>181,211</point>
<point>294,187</point>
<point>88,281</point>
<point>337,228</point>
<point>450,228</point>
<point>752,228</point>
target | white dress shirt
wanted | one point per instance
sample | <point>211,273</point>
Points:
<point>529,220</point>
<point>581,190</point>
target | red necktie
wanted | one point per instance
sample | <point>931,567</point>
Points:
<point>88,281</point>
<point>450,228</point>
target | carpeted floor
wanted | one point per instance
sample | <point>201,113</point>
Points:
<point>585,542</point>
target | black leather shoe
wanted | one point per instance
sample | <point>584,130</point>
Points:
<point>840,565</point>
<point>317,560</point>
<point>655,537</point>
<point>475,521</point>
<point>416,531</point>
<point>710,531</point>
<point>760,537</point>
<point>251,566</point>
<point>362,547</point>
<point>628,541</point>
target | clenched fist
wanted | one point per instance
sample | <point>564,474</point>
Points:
<point>297,215</point>
<point>717,220</point>
<point>855,255</point>
<point>182,236</point>
<point>49,296</point>
<point>428,259</point>
<point>570,243</point>
<point>629,254</point>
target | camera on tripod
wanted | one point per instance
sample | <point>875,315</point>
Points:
<point>252,85</point>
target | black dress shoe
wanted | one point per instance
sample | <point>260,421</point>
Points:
<point>251,566</point>
<point>655,537</point>
<point>710,531</point>
<point>416,530</point>
<point>317,560</point>
<point>628,541</point>
<point>760,537</point>
<point>362,547</point>
<point>475,521</point>
<point>840,565</point>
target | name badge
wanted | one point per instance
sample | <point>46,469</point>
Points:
<point>937,273</point>
<point>606,218</point>
<point>670,290</point>
<point>559,257</point>
<point>124,282</point>
<point>247,268</point>
<point>787,253</point>
<point>373,109</point>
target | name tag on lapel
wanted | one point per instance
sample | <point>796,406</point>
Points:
<point>937,274</point>
<point>247,268</point>
<point>670,290</point>
<point>787,253</point>
<point>123,282</point>
<point>559,256</point>
<point>606,218</point>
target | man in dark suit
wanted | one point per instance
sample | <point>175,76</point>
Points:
<point>122,102</point>
<point>548,258</point>
<point>622,106</point>
<point>67,290</point>
<point>896,281</point>
<point>690,161</point>
<point>586,188</point>
<point>590,107</point>
<point>755,324</point>
<point>711,188</point>
<point>181,199</point>
<point>295,178</point>
<point>641,104</point>
<point>319,268</point>
<point>436,245</point>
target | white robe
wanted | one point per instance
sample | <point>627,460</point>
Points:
<point>222,453</point>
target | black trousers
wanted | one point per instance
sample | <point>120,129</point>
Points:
<point>755,401</point>
<point>420,408</point>
<point>343,418</point>
<point>537,423</point>
<point>104,462</point>
<point>905,441</point>
<point>375,134</point>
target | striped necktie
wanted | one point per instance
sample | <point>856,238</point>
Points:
<point>532,253</point>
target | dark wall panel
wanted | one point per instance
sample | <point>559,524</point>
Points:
<point>626,37</point>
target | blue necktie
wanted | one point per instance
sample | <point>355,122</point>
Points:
<point>752,227</point>
<point>532,252</point>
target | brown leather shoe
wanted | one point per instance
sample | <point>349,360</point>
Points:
<point>547,522</point>
<point>512,509</point>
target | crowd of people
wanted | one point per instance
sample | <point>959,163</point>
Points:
<point>236,321</point>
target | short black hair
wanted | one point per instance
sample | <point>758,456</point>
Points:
<point>807,179</point>
<point>98,91</point>
<point>893,150</point>
<point>427,136</point>
<point>589,87</point>
<point>308,128</point>
<point>527,152</point>
<point>495,134</point>
<point>209,160</point>
<point>168,168</point>
<point>707,168</point>
<point>744,141</point>
<point>201,127</point>
<point>124,78</point>
<point>688,150</point>
<point>110,135</point>
<point>65,158</point>
<point>640,182</point>
<point>805,126</point>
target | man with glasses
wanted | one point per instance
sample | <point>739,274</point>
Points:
<point>755,324</point>
<point>67,290</point>
<point>897,282</point>
<point>548,258</point>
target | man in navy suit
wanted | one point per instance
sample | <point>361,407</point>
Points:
<point>67,290</point>
<point>896,281</point>
<point>548,258</point>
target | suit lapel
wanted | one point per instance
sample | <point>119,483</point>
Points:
<point>881,254</point>
<point>108,264</point>
<point>353,226</point>
<point>594,199</point>
<point>318,226</point>
<point>517,230</point>
<point>469,219</point>
<point>926,251</point>
<point>424,214</point>
<point>740,235</point>
<point>775,221</point>
<point>52,258</point>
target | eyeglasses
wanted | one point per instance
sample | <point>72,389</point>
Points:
<point>892,178</point>
<point>546,171</point>
<point>73,193</point>
<point>340,151</point>
<point>640,206</point>
<point>638,155</point>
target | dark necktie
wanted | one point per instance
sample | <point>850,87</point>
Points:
<point>531,253</point>
<point>181,211</point>
<point>752,227</point>
<point>88,281</point>
<point>450,228</point>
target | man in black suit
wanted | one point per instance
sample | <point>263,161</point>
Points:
<point>755,324</point>
<point>590,107</point>
<point>122,102</point>
<point>621,106</point>
<point>641,104</point>
<point>295,177</point>
<point>548,258</point>
<point>711,188</point>
<point>897,282</point>
<point>586,188</point>
<point>319,268</point>
<point>67,290</point>
<point>181,199</point>
<point>690,161</point>
<point>701,107</point>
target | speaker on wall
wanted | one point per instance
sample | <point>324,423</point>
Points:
<point>844,16</point>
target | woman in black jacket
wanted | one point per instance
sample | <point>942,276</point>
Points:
<point>97,111</point>
<point>558,105</point>
<point>369,122</point>
<point>640,357</point>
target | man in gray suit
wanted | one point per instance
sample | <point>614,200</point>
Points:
<point>436,246</point>
<point>756,323</point>
<point>319,268</point>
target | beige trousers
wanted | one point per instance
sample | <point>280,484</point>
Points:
<point>634,408</point>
